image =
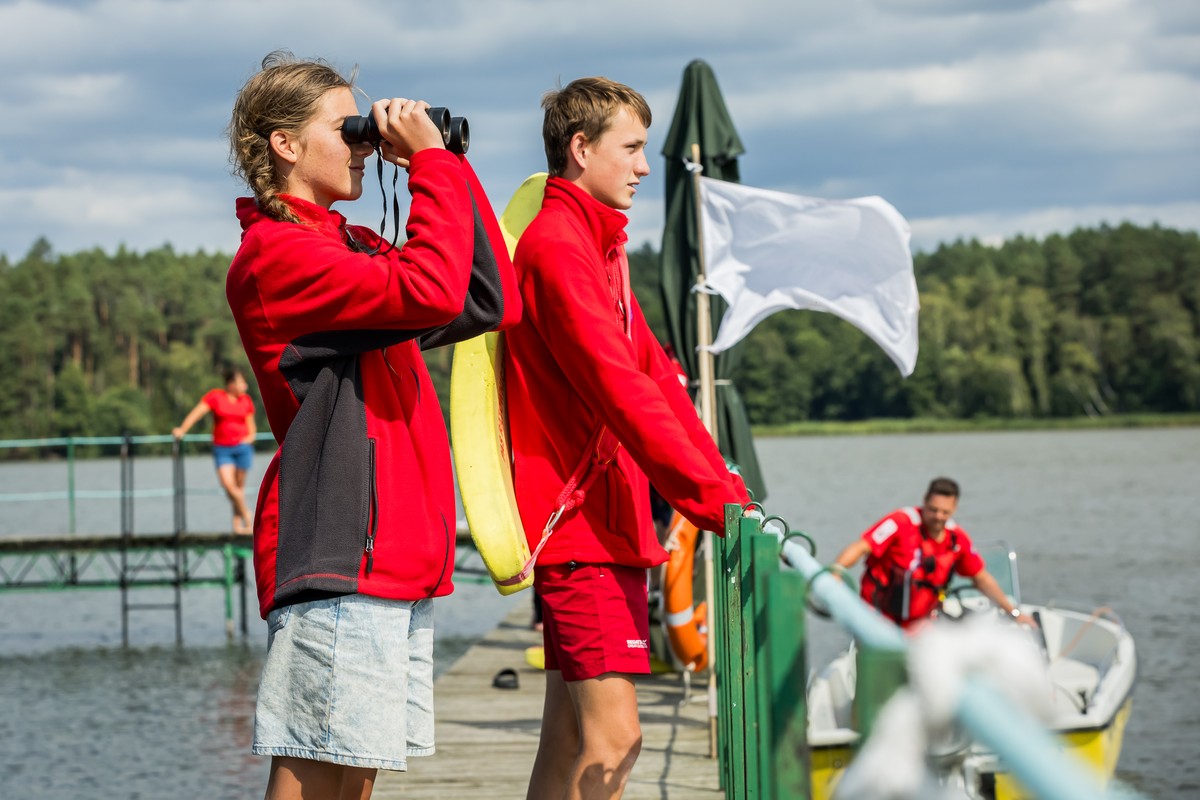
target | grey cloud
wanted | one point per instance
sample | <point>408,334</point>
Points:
<point>966,114</point>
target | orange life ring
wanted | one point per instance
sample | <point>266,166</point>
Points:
<point>686,626</point>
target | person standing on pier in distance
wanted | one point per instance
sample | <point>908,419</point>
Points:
<point>233,437</point>
<point>912,554</point>
<point>595,409</point>
<point>354,531</point>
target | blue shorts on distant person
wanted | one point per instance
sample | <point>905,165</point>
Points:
<point>348,680</point>
<point>240,455</point>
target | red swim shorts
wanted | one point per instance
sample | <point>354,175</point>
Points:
<point>595,619</point>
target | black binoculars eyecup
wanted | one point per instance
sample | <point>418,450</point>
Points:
<point>456,135</point>
<point>441,118</point>
<point>460,135</point>
<point>356,130</point>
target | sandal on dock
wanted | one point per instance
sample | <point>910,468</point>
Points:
<point>506,679</point>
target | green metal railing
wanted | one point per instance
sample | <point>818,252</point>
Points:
<point>761,664</point>
<point>69,447</point>
<point>143,562</point>
<point>121,560</point>
<point>762,582</point>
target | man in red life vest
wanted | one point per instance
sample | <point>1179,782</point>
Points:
<point>912,553</point>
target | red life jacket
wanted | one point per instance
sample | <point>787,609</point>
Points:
<point>913,592</point>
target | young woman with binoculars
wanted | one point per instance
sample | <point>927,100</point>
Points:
<point>354,534</point>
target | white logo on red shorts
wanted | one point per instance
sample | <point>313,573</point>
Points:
<point>637,644</point>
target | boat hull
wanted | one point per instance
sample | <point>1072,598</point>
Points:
<point>1100,748</point>
<point>1091,663</point>
<point>826,767</point>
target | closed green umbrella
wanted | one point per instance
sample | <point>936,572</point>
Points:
<point>701,118</point>
<point>702,122</point>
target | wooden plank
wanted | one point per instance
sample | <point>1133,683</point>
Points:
<point>487,737</point>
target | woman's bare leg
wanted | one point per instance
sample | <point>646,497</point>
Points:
<point>227,475</point>
<point>300,779</point>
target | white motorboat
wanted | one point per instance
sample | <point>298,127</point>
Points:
<point>1090,661</point>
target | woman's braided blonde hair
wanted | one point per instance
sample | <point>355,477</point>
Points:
<point>282,96</point>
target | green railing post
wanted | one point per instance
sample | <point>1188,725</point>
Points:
<point>881,671</point>
<point>751,530</point>
<point>227,555</point>
<point>243,553</point>
<point>721,651</point>
<point>717,666</point>
<point>71,485</point>
<point>730,674</point>
<point>764,562</point>
<point>786,679</point>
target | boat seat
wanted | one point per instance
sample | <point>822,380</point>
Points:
<point>831,705</point>
<point>821,717</point>
<point>841,692</point>
<point>1075,678</point>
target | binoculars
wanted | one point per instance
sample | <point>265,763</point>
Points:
<point>456,135</point>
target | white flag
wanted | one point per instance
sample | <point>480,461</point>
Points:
<point>766,251</point>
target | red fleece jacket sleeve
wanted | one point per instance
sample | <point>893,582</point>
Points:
<point>659,367</point>
<point>508,276</point>
<point>323,286</point>
<point>569,304</point>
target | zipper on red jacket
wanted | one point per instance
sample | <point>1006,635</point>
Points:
<point>446,559</point>
<point>373,510</point>
<point>616,285</point>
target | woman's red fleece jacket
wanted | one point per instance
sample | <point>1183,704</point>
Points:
<point>570,366</point>
<point>360,496</point>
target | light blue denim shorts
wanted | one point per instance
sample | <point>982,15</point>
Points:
<point>241,456</point>
<point>348,680</point>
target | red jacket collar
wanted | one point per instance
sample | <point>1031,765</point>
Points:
<point>606,224</point>
<point>323,219</point>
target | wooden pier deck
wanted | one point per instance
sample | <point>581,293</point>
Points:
<point>487,737</point>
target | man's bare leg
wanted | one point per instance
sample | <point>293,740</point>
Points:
<point>610,736</point>
<point>590,738</point>
<point>558,746</point>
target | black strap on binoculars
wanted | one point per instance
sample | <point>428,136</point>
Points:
<point>395,207</point>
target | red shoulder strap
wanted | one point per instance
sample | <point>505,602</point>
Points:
<point>602,446</point>
<point>601,451</point>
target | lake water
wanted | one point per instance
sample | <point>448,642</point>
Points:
<point>1096,517</point>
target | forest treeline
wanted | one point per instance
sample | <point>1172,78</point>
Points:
<point>1100,321</point>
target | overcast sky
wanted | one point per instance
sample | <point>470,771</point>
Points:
<point>975,118</point>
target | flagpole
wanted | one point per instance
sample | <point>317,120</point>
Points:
<point>708,417</point>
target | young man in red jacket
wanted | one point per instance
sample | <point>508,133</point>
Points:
<point>596,414</point>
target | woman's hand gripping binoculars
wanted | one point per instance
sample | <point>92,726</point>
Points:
<point>406,134</point>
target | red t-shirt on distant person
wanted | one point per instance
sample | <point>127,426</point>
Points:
<point>229,417</point>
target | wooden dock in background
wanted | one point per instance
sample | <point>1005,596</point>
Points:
<point>487,737</point>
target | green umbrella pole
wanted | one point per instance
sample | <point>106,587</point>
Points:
<point>708,417</point>
<point>708,395</point>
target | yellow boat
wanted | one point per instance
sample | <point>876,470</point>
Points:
<point>1090,661</point>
